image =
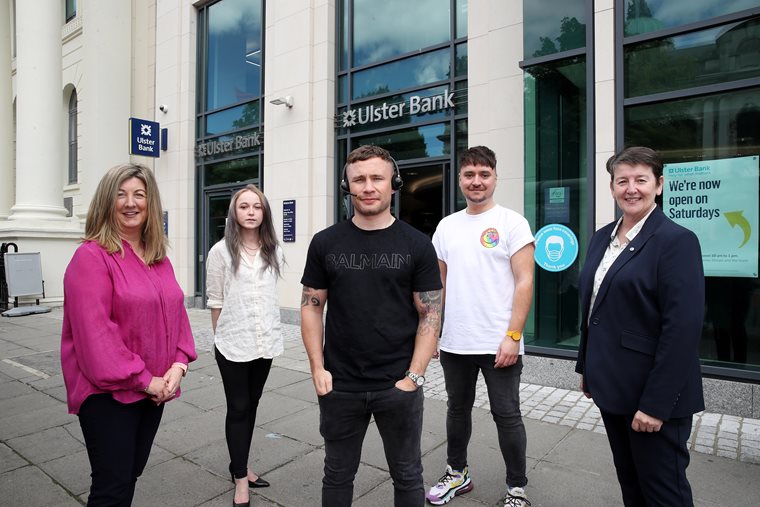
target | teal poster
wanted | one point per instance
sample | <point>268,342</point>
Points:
<point>718,200</point>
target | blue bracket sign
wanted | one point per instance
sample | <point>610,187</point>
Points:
<point>289,221</point>
<point>144,138</point>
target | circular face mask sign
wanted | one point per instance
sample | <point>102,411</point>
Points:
<point>556,247</point>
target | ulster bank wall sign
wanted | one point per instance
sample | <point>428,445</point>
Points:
<point>228,145</point>
<point>380,112</point>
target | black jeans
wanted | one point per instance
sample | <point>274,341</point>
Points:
<point>243,385</point>
<point>343,421</point>
<point>461,374</point>
<point>118,438</point>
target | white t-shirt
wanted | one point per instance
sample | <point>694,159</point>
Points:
<point>249,326</point>
<point>477,250</point>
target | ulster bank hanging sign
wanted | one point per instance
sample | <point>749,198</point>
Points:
<point>416,104</point>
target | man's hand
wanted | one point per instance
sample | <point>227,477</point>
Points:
<point>508,352</point>
<point>643,422</point>
<point>322,381</point>
<point>582,387</point>
<point>406,384</point>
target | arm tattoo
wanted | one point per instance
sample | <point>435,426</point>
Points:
<point>309,297</point>
<point>429,309</point>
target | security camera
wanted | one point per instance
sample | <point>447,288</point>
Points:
<point>164,108</point>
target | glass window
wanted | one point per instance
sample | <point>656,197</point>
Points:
<point>342,30</point>
<point>644,16</point>
<point>71,9</point>
<point>420,142</point>
<point>73,148</point>
<point>460,68</point>
<point>461,18</point>
<point>417,70</point>
<point>391,28</point>
<point>234,55</point>
<point>555,159</point>
<point>233,119</point>
<point>718,126</point>
<point>551,27</point>
<point>239,170</point>
<point>716,55</point>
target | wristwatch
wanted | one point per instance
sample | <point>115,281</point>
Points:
<point>515,335</point>
<point>419,380</point>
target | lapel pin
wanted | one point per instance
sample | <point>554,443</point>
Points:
<point>631,249</point>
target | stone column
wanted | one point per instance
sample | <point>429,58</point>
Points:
<point>40,155</point>
<point>6,112</point>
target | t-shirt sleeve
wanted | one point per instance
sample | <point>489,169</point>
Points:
<point>427,276</point>
<point>519,234</point>
<point>438,242</point>
<point>314,274</point>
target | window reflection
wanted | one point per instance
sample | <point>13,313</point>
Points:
<point>644,16</point>
<point>414,71</point>
<point>390,28</point>
<point>551,27</point>
<point>420,142</point>
<point>233,119</point>
<point>240,170</point>
<point>234,52</point>
<point>722,54</point>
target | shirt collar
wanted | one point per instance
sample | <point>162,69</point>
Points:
<point>634,230</point>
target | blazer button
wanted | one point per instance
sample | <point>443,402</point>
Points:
<point>595,322</point>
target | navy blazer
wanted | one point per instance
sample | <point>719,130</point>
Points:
<point>639,348</point>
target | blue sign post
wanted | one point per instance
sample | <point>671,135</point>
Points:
<point>556,247</point>
<point>144,138</point>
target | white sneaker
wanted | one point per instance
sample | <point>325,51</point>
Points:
<point>516,498</point>
<point>451,484</point>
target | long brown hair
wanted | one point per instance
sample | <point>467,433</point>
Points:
<point>101,224</point>
<point>267,236</point>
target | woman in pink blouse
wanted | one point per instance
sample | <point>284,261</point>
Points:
<point>241,284</point>
<point>126,339</point>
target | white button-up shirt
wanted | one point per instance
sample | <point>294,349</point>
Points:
<point>614,249</point>
<point>249,326</point>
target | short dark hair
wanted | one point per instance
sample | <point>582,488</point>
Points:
<point>478,155</point>
<point>636,155</point>
<point>367,152</point>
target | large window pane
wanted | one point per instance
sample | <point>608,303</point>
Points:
<point>414,71</point>
<point>234,52</point>
<point>240,170</point>
<point>644,16</point>
<point>551,27</point>
<point>555,149</point>
<point>717,126</point>
<point>421,142</point>
<point>388,28</point>
<point>233,119</point>
<point>461,18</point>
<point>721,54</point>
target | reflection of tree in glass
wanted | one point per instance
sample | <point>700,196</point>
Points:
<point>639,19</point>
<point>572,35</point>
<point>249,116</point>
<point>672,128</point>
<point>377,91</point>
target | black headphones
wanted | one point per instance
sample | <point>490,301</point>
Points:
<point>396,181</point>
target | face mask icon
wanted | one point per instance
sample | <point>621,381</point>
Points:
<point>555,245</point>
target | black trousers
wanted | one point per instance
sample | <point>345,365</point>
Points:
<point>118,438</point>
<point>651,467</point>
<point>243,385</point>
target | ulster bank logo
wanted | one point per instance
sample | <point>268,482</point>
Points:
<point>385,111</point>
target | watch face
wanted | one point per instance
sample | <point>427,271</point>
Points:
<point>420,381</point>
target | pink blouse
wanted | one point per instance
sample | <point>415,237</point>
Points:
<point>123,323</point>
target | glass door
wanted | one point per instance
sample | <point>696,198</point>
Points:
<point>422,201</point>
<point>215,205</point>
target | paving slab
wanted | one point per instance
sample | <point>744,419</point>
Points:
<point>45,445</point>
<point>177,482</point>
<point>72,472</point>
<point>30,486</point>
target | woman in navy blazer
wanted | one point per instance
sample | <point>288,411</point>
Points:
<point>642,298</point>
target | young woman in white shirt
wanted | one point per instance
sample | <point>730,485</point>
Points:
<point>241,285</point>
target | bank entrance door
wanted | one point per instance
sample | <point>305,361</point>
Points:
<point>216,202</point>
<point>424,199</point>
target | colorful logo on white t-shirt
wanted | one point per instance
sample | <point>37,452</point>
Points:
<point>489,238</point>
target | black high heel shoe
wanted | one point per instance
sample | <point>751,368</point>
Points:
<point>258,483</point>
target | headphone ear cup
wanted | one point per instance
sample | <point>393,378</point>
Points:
<point>397,182</point>
<point>344,186</point>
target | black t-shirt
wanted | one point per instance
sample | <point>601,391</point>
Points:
<point>371,318</point>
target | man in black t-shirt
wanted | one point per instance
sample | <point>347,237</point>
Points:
<point>382,327</point>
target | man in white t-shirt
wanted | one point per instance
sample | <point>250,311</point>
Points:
<point>485,253</point>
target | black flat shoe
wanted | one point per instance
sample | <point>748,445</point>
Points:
<point>242,504</point>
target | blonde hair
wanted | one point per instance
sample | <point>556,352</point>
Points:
<point>101,225</point>
<point>267,235</point>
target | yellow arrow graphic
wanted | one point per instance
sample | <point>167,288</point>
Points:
<point>736,218</point>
